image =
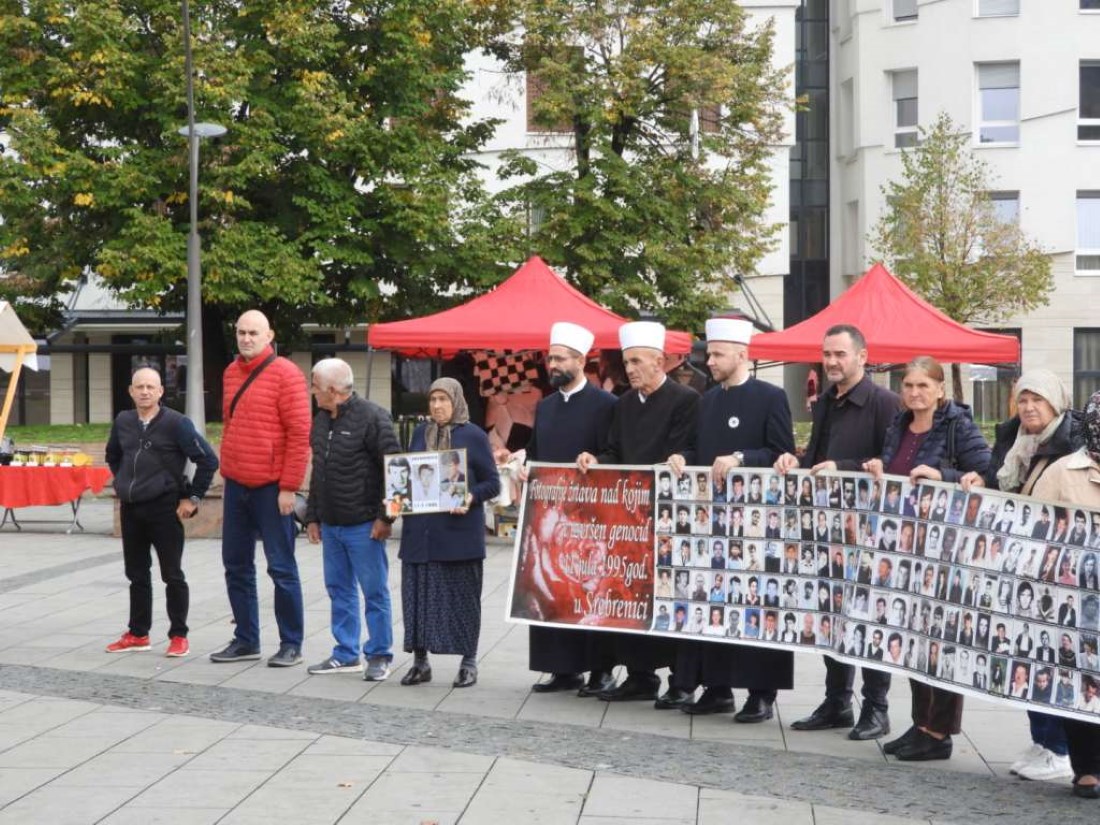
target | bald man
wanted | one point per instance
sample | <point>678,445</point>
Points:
<point>147,451</point>
<point>265,450</point>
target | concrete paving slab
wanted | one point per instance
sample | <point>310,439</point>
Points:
<point>18,781</point>
<point>519,791</point>
<point>633,799</point>
<point>219,788</point>
<point>723,807</point>
<point>83,806</point>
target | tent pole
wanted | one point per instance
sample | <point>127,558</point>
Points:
<point>370,369</point>
<point>9,396</point>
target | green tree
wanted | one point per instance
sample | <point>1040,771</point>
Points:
<point>941,235</point>
<point>343,190</point>
<point>672,112</point>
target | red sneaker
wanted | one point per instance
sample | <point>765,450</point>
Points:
<point>177,646</point>
<point>128,641</point>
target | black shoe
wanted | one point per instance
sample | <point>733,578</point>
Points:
<point>559,682</point>
<point>1086,791</point>
<point>756,709</point>
<point>236,651</point>
<point>467,677</point>
<point>417,675</point>
<point>633,688</point>
<point>925,748</point>
<point>902,741</point>
<point>287,656</point>
<point>712,701</point>
<point>827,715</point>
<point>873,723</point>
<point>673,698</point>
<point>598,682</point>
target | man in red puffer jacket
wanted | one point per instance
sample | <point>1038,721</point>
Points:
<point>265,449</point>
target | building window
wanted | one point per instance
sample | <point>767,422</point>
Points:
<point>1088,101</point>
<point>999,99</point>
<point>1086,365</point>
<point>998,8</point>
<point>1088,233</point>
<point>905,9</point>
<point>1090,5</point>
<point>1006,206</point>
<point>905,108</point>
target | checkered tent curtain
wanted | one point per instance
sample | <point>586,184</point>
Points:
<point>505,371</point>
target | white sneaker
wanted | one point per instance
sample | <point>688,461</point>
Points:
<point>1033,752</point>
<point>1048,766</point>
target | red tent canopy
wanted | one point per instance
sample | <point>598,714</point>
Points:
<point>516,315</point>
<point>898,326</point>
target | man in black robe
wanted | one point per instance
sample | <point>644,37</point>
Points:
<point>742,422</point>
<point>650,421</point>
<point>573,419</point>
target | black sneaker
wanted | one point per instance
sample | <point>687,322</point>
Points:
<point>288,656</point>
<point>236,651</point>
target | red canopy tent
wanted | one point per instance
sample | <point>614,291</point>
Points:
<point>515,315</point>
<point>897,323</point>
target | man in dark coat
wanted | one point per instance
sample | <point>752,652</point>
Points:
<point>742,422</point>
<point>650,421</point>
<point>572,420</point>
<point>849,427</point>
<point>345,514</point>
<point>147,450</point>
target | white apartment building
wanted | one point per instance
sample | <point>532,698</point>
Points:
<point>1023,77</point>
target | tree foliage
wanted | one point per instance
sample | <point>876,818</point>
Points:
<point>346,166</point>
<point>941,234</point>
<point>652,213</point>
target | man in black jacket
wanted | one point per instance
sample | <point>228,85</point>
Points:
<point>350,435</point>
<point>849,426</point>
<point>147,451</point>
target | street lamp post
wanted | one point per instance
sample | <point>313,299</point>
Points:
<point>195,407</point>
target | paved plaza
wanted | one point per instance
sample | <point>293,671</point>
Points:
<point>91,737</point>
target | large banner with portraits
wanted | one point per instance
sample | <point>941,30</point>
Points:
<point>983,593</point>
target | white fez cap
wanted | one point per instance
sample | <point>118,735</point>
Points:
<point>735,330</point>
<point>573,336</point>
<point>642,334</point>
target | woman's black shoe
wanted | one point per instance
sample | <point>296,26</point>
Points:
<point>467,677</point>
<point>417,675</point>
<point>925,748</point>
<point>902,741</point>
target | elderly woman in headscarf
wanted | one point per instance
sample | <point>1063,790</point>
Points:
<point>442,554</point>
<point>1075,479</point>
<point>1044,430</point>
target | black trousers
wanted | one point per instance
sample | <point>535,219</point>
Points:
<point>840,677</point>
<point>728,666</point>
<point>560,650</point>
<point>154,524</point>
<point>1083,739</point>
<point>936,709</point>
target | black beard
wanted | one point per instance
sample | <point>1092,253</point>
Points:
<point>561,379</point>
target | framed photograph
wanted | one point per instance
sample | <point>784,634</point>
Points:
<point>427,482</point>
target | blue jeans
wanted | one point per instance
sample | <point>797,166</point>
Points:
<point>352,557</point>
<point>1048,731</point>
<point>252,512</point>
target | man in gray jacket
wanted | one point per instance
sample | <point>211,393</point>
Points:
<point>350,435</point>
<point>147,451</point>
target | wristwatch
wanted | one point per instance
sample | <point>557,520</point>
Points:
<point>739,457</point>
<point>195,500</point>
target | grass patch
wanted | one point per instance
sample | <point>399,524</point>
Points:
<point>60,435</point>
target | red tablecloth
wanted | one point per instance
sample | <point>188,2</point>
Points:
<point>33,486</point>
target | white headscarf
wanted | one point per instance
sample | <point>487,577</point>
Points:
<point>1046,385</point>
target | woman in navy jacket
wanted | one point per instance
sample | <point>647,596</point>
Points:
<point>442,554</point>
<point>931,438</point>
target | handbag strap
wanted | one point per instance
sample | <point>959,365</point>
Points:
<point>952,427</point>
<point>248,381</point>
